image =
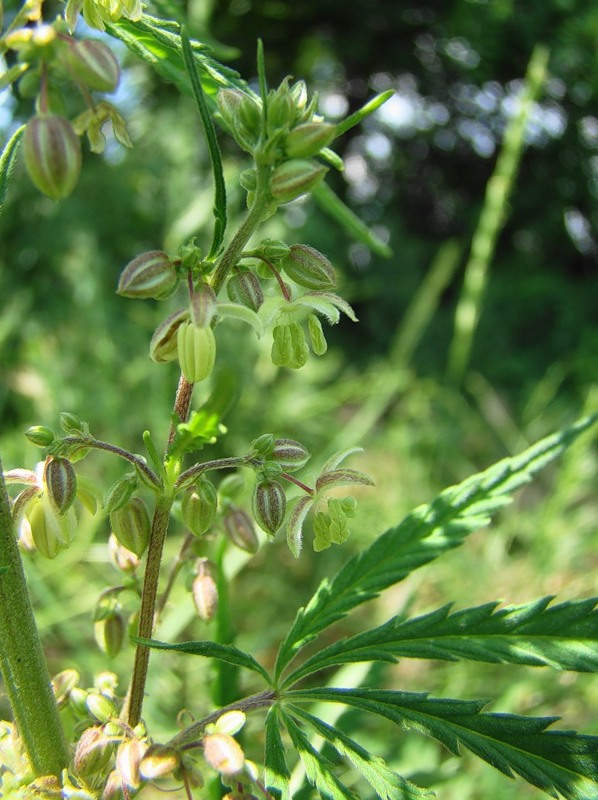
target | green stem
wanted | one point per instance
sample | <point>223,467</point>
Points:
<point>22,662</point>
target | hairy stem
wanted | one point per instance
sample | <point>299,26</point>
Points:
<point>22,663</point>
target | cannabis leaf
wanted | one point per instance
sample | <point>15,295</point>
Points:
<point>277,772</point>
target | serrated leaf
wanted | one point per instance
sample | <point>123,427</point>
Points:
<point>562,762</point>
<point>342,477</point>
<point>422,536</point>
<point>563,636</point>
<point>318,769</point>
<point>8,159</point>
<point>277,772</point>
<point>222,652</point>
<point>386,783</point>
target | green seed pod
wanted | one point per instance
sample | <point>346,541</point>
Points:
<point>196,351</point>
<point>291,455</point>
<point>319,345</point>
<point>308,139</point>
<point>61,483</point>
<point>289,348</point>
<point>223,753</point>
<point>199,507</point>
<point>51,532</point>
<point>93,752</point>
<point>109,634</point>
<point>269,504</point>
<point>163,345</point>
<point>244,288</point>
<point>310,268</point>
<point>94,64</point>
<point>39,435</point>
<point>149,275</point>
<point>239,529</point>
<point>131,526</point>
<point>294,178</point>
<point>52,154</point>
<point>158,762</point>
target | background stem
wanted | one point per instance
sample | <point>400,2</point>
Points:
<point>22,662</point>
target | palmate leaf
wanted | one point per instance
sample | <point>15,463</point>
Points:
<point>223,652</point>
<point>422,536</point>
<point>563,636</point>
<point>387,784</point>
<point>277,772</point>
<point>558,762</point>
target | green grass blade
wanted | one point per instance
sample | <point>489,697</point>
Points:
<point>8,159</point>
<point>213,147</point>
<point>422,536</point>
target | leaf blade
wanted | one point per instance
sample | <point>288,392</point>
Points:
<point>8,159</point>
<point>277,772</point>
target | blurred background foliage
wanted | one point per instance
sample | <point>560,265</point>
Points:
<point>416,172</point>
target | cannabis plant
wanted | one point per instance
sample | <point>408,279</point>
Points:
<point>70,740</point>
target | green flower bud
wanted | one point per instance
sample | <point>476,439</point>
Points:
<point>223,753</point>
<point>61,483</point>
<point>294,178</point>
<point>100,706</point>
<point>149,275</point>
<point>308,139</point>
<point>319,345</point>
<point>281,109</point>
<point>109,634</point>
<point>263,444</point>
<point>231,487</point>
<point>51,532</point>
<point>199,507</point>
<point>158,762</point>
<point>39,435</point>
<point>289,348</point>
<point>241,115</point>
<point>63,684</point>
<point>131,526</point>
<point>163,345</point>
<point>308,267</point>
<point>239,529</point>
<point>273,249</point>
<point>291,455</point>
<point>93,752</point>
<point>244,288</point>
<point>196,351</point>
<point>299,95</point>
<point>94,64</point>
<point>71,424</point>
<point>78,701</point>
<point>269,504</point>
<point>52,154</point>
<point>205,596</point>
<point>120,493</point>
<point>248,180</point>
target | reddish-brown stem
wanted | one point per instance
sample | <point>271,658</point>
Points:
<point>297,482</point>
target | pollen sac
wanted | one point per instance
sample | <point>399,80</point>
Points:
<point>295,177</point>
<point>244,288</point>
<point>196,348</point>
<point>205,596</point>
<point>310,268</point>
<point>52,154</point>
<point>149,275</point>
<point>199,507</point>
<point>308,139</point>
<point>93,752</point>
<point>51,531</point>
<point>291,455</point>
<point>289,348</point>
<point>131,526</point>
<point>269,505</point>
<point>94,64</point>
<point>61,483</point>
<point>223,753</point>
<point>318,342</point>
<point>158,762</point>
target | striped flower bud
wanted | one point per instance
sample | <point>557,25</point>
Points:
<point>109,634</point>
<point>291,455</point>
<point>94,64</point>
<point>40,436</point>
<point>318,342</point>
<point>163,345</point>
<point>244,288</point>
<point>239,529</point>
<point>131,525</point>
<point>263,444</point>
<point>308,139</point>
<point>120,493</point>
<point>101,707</point>
<point>273,249</point>
<point>289,348</point>
<point>149,275</point>
<point>269,505</point>
<point>52,154</point>
<point>129,755</point>
<point>199,507</point>
<point>196,348</point>
<point>61,483</point>
<point>93,752</point>
<point>158,762</point>
<point>51,532</point>
<point>308,267</point>
<point>295,177</point>
<point>223,753</point>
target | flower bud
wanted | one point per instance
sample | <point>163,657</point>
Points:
<point>163,345</point>
<point>51,532</point>
<point>269,504</point>
<point>52,154</point>
<point>291,455</point>
<point>230,722</point>
<point>61,483</point>
<point>308,267</point>
<point>109,634</point>
<point>78,701</point>
<point>120,493</point>
<point>244,288</point>
<point>113,788</point>
<point>205,596</point>
<point>308,139</point>
<point>199,507</point>
<point>131,526</point>
<point>274,249</point>
<point>239,529</point>
<point>263,444</point>
<point>223,753</point>
<point>123,559</point>
<point>94,64</point>
<point>241,115</point>
<point>149,275</point>
<point>71,424</point>
<point>93,752</point>
<point>128,759</point>
<point>294,178</point>
<point>289,348</point>
<point>100,706</point>
<point>281,109</point>
<point>319,345</point>
<point>196,351</point>
<point>203,305</point>
<point>158,762</point>
<point>62,685</point>
<point>40,435</point>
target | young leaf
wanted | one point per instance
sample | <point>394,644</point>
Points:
<point>317,768</point>
<point>213,147</point>
<point>355,119</point>
<point>387,784</point>
<point>564,636</point>
<point>223,652</point>
<point>554,761</point>
<point>8,160</point>
<point>422,536</point>
<point>277,772</point>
